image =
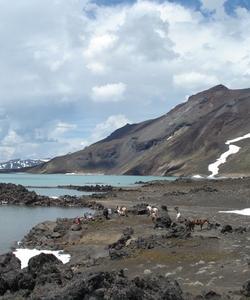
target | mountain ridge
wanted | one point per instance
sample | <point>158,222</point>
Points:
<point>18,163</point>
<point>182,142</point>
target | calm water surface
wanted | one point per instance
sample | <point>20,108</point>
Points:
<point>16,221</point>
<point>56,192</point>
<point>53,180</point>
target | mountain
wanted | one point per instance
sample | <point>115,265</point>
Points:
<point>185,141</point>
<point>20,163</point>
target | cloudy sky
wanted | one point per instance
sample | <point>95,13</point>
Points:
<point>72,71</point>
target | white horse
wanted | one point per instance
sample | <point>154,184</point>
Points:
<point>122,211</point>
<point>153,212</point>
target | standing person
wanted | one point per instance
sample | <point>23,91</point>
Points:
<point>178,214</point>
<point>106,213</point>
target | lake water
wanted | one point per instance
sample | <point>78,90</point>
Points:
<point>56,192</point>
<point>53,180</point>
<point>16,221</point>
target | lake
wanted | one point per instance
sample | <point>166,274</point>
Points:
<point>16,221</point>
<point>53,180</point>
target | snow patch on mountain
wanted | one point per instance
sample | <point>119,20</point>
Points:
<point>233,149</point>
<point>21,163</point>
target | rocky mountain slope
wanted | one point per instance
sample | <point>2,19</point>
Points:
<point>185,141</point>
<point>20,163</point>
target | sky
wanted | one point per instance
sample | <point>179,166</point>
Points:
<point>73,71</point>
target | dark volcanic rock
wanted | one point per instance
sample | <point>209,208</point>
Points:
<point>211,295</point>
<point>18,194</point>
<point>116,249</point>
<point>139,209</point>
<point>42,263</point>
<point>10,266</point>
<point>106,285</point>
<point>178,231</point>
<point>46,278</point>
<point>246,289</point>
<point>163,221</point>
<point>240,229</point>
<point>227,229</point>
<point>9,262</point>
<point>3,286</point>
<point>89,188</point>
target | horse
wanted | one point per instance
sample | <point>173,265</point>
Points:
<point>191,223</point>
<point>122,211</point>
<point>152,209</point>
<point>153,212</point>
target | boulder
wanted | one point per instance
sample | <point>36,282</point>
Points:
<point>227,229</point>
<point>42,263</point>
<point>76,227</point>
<point>211,295</point>
<point>240,229</point>
<point>246,289</point>
<point>139,209</point>
<point>178,231</point>
<point>10,266</point>
<point>3,286</point>
<point>163,221</point>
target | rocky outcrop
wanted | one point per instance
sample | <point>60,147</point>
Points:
<point>46,278</point>
<point>88,188</point>
<point>126,246</point>
<point>164,220</point>
<point>9,271</point>
<point>116,249</point>
<point>52,235</point>
<point>18,195</point>
<point>139,209</point>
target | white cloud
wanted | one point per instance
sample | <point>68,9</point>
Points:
<point>214,5</point>
<point>112,92</point>
<point>105,128</point>
<point>194,80</point>
<point>99,43</point>
<point>60,60</point>
<point>60,129</point>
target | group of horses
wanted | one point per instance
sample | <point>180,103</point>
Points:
<point>153,212</point>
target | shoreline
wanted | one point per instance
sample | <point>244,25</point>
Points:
<point>195,260</point>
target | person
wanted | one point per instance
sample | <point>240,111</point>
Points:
<point>178,214</point>
<point>106,213</point>
<point>77,220</point>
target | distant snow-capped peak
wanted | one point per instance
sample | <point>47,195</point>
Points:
<point>21,163</point>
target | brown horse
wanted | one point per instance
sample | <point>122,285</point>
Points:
<point>191,223</point>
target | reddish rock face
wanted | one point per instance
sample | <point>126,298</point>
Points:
<point>182,142</point>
